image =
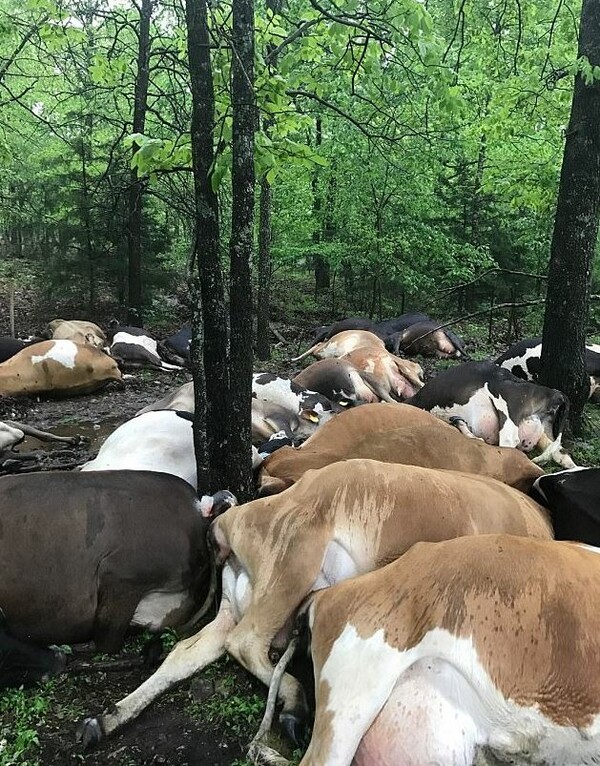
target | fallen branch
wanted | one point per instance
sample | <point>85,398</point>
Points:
<point>485,274</point>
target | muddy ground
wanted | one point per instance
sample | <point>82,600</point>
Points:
<point>185,728</point>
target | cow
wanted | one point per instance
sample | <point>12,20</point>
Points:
<point>341,344</point>
<point>395,433</point>
<point>426,339</point>
<point>398,324</point>
<point>10,346</point>
<point>399,378</point>
<point>499,408</point>
<point>135,348</point>
<point>340,521</point>
<point>77,330</point>
<point>176,348</point>
<point>523,360</point>
<point>478,645</point>
<point>277,404</point>
<point>341,382</point>
<point>573,498</point>
<point>127,548</point>
<point>160,440</point>
<point>351,323</point>
<point>57,367</point>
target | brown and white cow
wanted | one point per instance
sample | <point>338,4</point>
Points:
<point>343,520</point>
<point>57,367</point>
<point>341,382</point>
<point>400,378</point>
<point>499,408</point>
<point>395,433</point>
<point>484,644</point>
<point>342,343</point>
<point>77,330</point>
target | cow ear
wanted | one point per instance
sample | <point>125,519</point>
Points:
<point>90,338</point>
<point>310,415</point>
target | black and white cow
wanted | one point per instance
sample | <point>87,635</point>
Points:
<point>573,498</point>
<point>309,408</point>
<point>134,347</point>
<point>490,403</point>
<point>176,348</point>
<point>523,360</point>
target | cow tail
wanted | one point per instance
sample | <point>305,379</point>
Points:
<point>315,347</point>
<point>191,626</point>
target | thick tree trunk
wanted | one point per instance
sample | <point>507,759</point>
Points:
<point>136,186</point>
<point>575,233</point>
<point>209,352</point>
<point>242,236</point>
<point>263,347</point>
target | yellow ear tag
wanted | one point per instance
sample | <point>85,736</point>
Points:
<point>343,404</point>
<point>313,418</point>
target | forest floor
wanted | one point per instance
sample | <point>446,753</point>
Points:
<point>208,721</point>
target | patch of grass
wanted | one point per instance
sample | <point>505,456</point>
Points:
<point>23,712</point>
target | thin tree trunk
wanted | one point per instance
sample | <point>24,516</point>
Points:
<point>263,347</point>
<point>242,236</point>
<point>575,233</point>
<point>209,321</point>
<point>136,186</point>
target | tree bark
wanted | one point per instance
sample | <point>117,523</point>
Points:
<point>263,347</point>
<point>209,320</point>
<point>322,269</point>
<point>136,186</point>
<point>575,233</point>
<point>242,242</point>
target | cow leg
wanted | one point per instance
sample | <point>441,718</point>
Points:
<point>187,657</point>
<point>461,425</point>
<point>114,613</point>
<point>552,450</point>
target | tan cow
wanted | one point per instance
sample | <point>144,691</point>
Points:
<point>400,377</point>
<point>342,343</point>
<point>395,433</point>
<point>335,523</point>
<point>58,367</point>
<point>76,330</point>
<point>487,643</point>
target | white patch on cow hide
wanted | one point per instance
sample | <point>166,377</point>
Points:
<point>137,340</point>
<point>508,436</point>
<point>595,347</point>
<point>478,413</point>
<point>62,351</point>
<point>154,608</point>
<point>361,674</point>
<point>521,361</point>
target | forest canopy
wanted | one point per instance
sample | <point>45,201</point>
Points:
<point>408,146</point>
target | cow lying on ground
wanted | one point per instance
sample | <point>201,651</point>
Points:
<point>523,360</point>
<point>77,330</point>
<point>499,408</point>
<point>57,367</point>
<point>9,436</point>
<point>25,664</point>
<point>399,378</point>
<point>341,344</point>
<point>278,403</point>
<point>335,523</point>
<point>423,338</point>
<point>341,382</point>
<point>395,433</point>
<point>135,348</point>
<point>573,497</point>
<point>176,348</point>
<point>481,643</point>
<point>125,548</point>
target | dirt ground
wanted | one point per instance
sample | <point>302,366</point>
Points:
<point>183,728</point>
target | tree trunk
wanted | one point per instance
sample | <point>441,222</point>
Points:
<point>209,321</point>
<point>136,186</point>
<point>263,347</point>
<point>242,241</point>
<point>575,233</point>
<point>322,270</point>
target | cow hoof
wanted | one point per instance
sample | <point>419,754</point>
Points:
<point>294,727</point>
<point>89,733</point>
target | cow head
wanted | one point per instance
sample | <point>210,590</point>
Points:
<point>212,506</point>
<point>9,436</point>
